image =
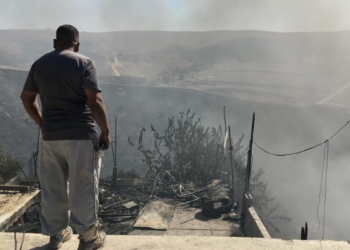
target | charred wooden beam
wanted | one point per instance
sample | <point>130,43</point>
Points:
<point>304,232</point>
<point>21,188</point>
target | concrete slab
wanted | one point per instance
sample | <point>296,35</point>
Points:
<point>147,232</point>
<point>156,215</point>
<point>192,222</point>
<point>223,233</point>
<point>37,242</point>
<point>12,207</point>
<point>185,232</point>
<point>185,219</point>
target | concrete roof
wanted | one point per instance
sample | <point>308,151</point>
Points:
<point>12,207</point>
<point>133,242</point>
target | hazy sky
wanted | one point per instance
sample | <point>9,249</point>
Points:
<point>107,15</point>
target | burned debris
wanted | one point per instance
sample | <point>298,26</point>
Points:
<point>122,205</point>
<point>133,204</point>
<point>195,173</point>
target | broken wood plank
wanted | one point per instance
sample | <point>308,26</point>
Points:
<point>130,205</point>
<point>21,188</point>
<point>113,204</point>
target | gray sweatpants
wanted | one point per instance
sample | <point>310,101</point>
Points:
<point>69,172</point>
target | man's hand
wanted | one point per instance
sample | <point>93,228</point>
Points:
<point>98,112</point>
<point>31,105</point>
<point>105,140</point>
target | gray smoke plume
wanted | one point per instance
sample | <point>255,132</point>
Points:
<point>294,181</point>
<point>108,15</point>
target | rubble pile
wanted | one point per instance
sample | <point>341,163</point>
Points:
<point>122,203</point>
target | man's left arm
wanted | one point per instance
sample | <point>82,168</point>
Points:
<point>29,100</point>
<point>31,105</point>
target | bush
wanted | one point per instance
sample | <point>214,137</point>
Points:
<point>8,166</point>
<point>186,149</point>
<point>191,152</point>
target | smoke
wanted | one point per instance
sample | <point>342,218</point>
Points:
<point>108,15</point>
<point>135,15</point>
<point>294,181</point>
<point>268,15</point>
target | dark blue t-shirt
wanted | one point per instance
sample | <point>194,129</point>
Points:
<point>60,78</point>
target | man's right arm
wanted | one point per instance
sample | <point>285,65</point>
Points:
<point>98,112</point>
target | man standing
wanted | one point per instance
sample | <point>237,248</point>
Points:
<point>71,148</point>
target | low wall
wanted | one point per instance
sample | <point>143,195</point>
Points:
<point>252,226</point>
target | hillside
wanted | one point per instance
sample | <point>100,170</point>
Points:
<point>292,81</point>
<point>17,130</point>
<point>264,66</point>
<point>279,128</point>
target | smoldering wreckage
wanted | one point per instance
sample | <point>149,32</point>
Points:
<point>139,206</point>
<point>151,205</point>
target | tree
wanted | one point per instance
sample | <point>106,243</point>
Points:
<point>185,149</point>
<point>8,166</point>
<point>190,151</point>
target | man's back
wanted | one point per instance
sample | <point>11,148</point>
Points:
<point>71,149</point>
<point>60,77</point>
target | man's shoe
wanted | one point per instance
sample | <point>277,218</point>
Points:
<point>95,244</point>
<point>57,239</point>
